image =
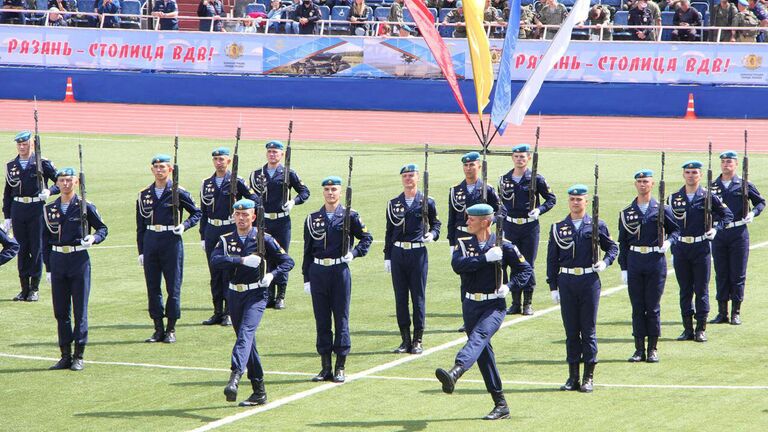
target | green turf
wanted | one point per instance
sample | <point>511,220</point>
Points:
<point>114,397</point>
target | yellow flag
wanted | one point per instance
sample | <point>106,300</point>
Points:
<point>479,51</point>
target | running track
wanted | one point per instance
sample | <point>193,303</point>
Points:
<point>382,127</point>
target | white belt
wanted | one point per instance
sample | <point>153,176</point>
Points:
<point>736,224</point>
<point>67,249</point>
<point>644,249</point>
<point>276,215</point>
<point>160,228</point>
<point>327,262</point>
<point>691,239</point>
<point>578,271</point>
<point>220,222</point>
<point>244,287</point>
<point>482,297</point>
<point>27,200</point>
<point>519,221</point>
<point>409,245</point>
<point>462,228</point>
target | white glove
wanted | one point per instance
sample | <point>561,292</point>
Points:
<point>710,235</point>
<point>624,276</point>
<point>494,254</point>
<point>599,266</point>
<point>202,245</point>
<point>534,214</point>
<point>141,260</point>
<point>48,277</point>
<point>252,261</point>
<point>388,266</point>
<point>7,225</point>
<point>503,290</point>
<point>555,296</point>
<point>307,288</point>
<point>665,246</point>
<point>452,249</point>
<point>266,280</point>
<point>87,241</point>
<point>44,194</point>
<point>288,205</point>
<point>346,259</point>
<point>428,238</point>
<point>178,229</point>
<point>749,218</point>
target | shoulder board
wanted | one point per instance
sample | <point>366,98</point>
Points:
<point>627,207</point>
<point>228,234</point>
<point>11,161</point>
<point>464,238</point>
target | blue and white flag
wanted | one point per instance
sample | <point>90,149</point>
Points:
<point>502,99</point>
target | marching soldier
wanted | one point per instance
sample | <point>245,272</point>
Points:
<point>643,264</point>
<point>161,250</point>
<point>691,252</point>
<point>478,260</point>
<point>215,202</point>
<point>10,248</point>
<point>405,255</point>
<point>237,254</point>
<point>65,253</point>
<point>574,282</point>
<point>277,216</point>
<point>23,202</point>
<point>521,225</point>
<point>327,277</point>
<point>730,249</point>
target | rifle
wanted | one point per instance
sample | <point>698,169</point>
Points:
<point>348,208</point>
<point>532,189</point>
<point>596,220</point>
<point>744,180</point>
<point>175,184</point>
<point>287,173</point>
<point>38,155</point>
<point>708,198</point>
<point>261,227</point>
<point>233,177</point>
<point>425,192</point>
<point>662,214</point>
<point>83,202</point>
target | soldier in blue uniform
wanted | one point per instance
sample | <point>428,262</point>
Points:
<point>691,253</point>
<point>216,202</point>
<point>573,281</point>
<point>730,249</point>
<point>161,250</point>
<point>237,254</point>
<point>643,263</point>
<point>405,256</point>
<point>521,225</point>
<point>277,212</point>
<point>10,248</point>
<point>65,253</point>
<point>482,268</point>
<point>327,277</point>
<point>23,211</point>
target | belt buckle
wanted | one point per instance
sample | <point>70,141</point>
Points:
<point>216,222</point>
<point>644,249</point>
<point>66,249</point>
<point>578,271</point>
<point>406,245</point>
<point>477,296</point>
<point>239,287</point>
<point>327,261</point>
<point>26,200</point>
<point>158,227</point>
<point>519,221</point>
<point>687,239</point>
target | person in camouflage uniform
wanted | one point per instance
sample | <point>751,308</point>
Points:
<point>745,18</point>
<point>723,15</point>
<point>552,13</point>
<point>456,16</point>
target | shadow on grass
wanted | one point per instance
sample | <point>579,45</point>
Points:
<point>456,315</point>
<point>245,385</point>
<point>403,425</point>
<point>396,333</point>
<point>181,413</point>
<point>315,354</point>
<point>94,343</point>
<point>13,371</point>
<point>629,323</point>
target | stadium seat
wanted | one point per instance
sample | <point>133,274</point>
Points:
<point>445,31</point>
<point>526,2</point>
<point>85,6</point>
<point>265,3</point>
<point>339,13</point>
<point>130,7</point>
<point>666,20</point>
<point>621,19</point>
<point>255,7</point>
<point>381,13</point>
<point>613,3</point>
<point>568,3</point>
<point>35,18</point>
<point>703,8</point>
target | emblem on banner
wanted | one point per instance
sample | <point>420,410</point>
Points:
<point>234,51</point>
<point>752,61</point>
<point>495,55</point>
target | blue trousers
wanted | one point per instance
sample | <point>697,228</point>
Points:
<point>730,251</point>
<point>482,320</point>
<point>409,278</point>
<point>692,270</point>
<point>646,276</point>
<point>163,259</point>
<point>219,278</point>
<point>70,288</point>
<point>27,222</point>
<point>280,230</point>
<point>246,309</point>
<point>526,238</point>
<point>579,299</point>
<point>331,290</point>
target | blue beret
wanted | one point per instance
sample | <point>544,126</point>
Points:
<point>644,173</point>
<point>744,2</point>
<point>23,136</point>
<point>470,157</point>
<point>578,189</point>
<point>65,172</point>
<point>692,164</point>
<point>459,4</point>
<point>521,148</point>
<point>730,154</point>
<point>480,210</point>
<point>275,145</point>
<point>331,181</point>
<point>161,158</point>
<point>409,168</point>
<point>244,204</point>
<point>221,151</point>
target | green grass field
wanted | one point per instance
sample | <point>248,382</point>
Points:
<point>671,395</point>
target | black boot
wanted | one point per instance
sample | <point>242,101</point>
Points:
<point>259,396</point>
<point>77,359</point>
<point>572,383</point>
<point>586,381</point>
<point>338,372</point>
<point>34,287</point>
<point>448,378</point>
<point>416,347</point>
<point>325,371</point>
<point>226,320</point>
<point>722,313</point>
<point>653,353</point>
<point>405,344</point>
<point>500,410</point>
<point>735,312</point>
<point>639,354</point>
<point>527,299</point>
<point>230,391</point>
<point>170,331</point>
<point>22,296</point>
<point>701,333</point>
<point>271,298</point>
<point>462,329</point>
<point>66,358</point>
<point>280,298</point>
<point>687,333</point>
<point>159,333</point>
<point>515,308</point>
<point>217,316</point>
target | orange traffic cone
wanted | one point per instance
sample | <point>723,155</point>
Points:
<point>690,113</point>
<point>69,95</point>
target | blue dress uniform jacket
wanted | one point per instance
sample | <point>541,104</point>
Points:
<point>730,249</point>
<point>692,259</point>
<point>570,250</point>
<point>646,267</point>
<point>330,279</point>
<point>70,266</point>
<point>247,302</point>
<point>9,245</point>
<point>162,249</point>
<point>459,200</point>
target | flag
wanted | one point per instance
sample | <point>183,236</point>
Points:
<point>502,99</point>
<point>425,21</point>
<point>479,52</point>
<point>555,51</point>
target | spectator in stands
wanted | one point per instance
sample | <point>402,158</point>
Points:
<point>252,23</point>
<point>292,27</point>
<point>448,4</point>
<point>396,16</point>
<point>213,11</point>
<point>167,11</point>
<point>500,5</point>
<point>526,20</point>
<point>551,13</point>
<point>330,3</point>
<point>276,12</point>
<point>108,7</point>
<point>745,18</point>
<point>686,16</point>
<point>492,18</point>
<point>758,9</point>
<point>307,14</point>
<point>456,17</point>
<point>359,13</point>
<point>64,6</point>
<point>640,15</point>
<point>722,15</point>
<point>55,19</point>
<point>599,16</point>
<point>13,17</point>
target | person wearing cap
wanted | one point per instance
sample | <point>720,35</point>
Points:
<point>216,203</point>
<point>691,253</point>
<point>746,17</point>
<point>68,265</point>
<point>167,11</point>
<point>236,253</point>
<point>56,19</point>
<point>456,17</point>
<point>574,283</point>
<point>277,219</point>
<point>161,249</point>
<point>730,249</point>
<point>643,263</point>
<point>327,278</point>
<point>477,260</point>
<point>307,14</point>
<point>521,224</point>
<point>23,202</point>
<point>405,256</point>
<point>211,12</point>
